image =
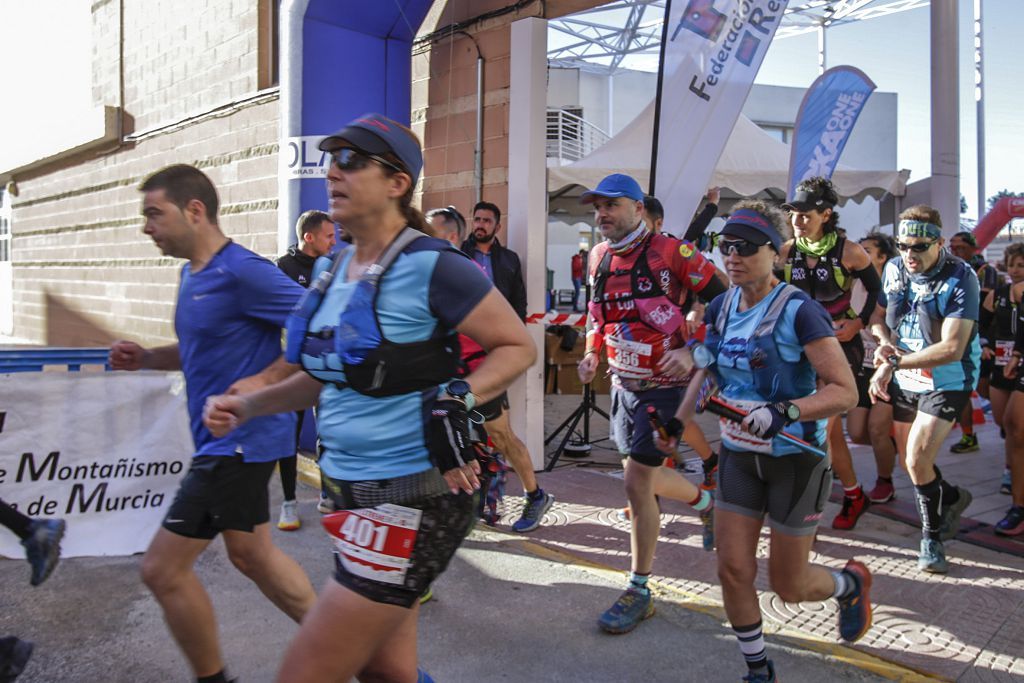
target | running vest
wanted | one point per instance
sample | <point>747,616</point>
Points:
<point>1007,319</point>
<point>638,321</point>
<point>775,378</point>
<point>828,282</point>
<point>373,365</point>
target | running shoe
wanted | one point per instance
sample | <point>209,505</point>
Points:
<point>707,521</point>
<point>968,443</point>
<point>629,610</point>
<point>42,547</point>
<point>623,514</point>
<point>533,513</point>
<point>855,608</point>
<point>932,557</point>
<point>289,520</point>
<point>14,655</point>
<point>1006,483</point>
<point>768,677</point>
<point>427,597</point>
<point>883,492</point>
<point>1013,523</point>
<point>852,509</point>
<point>325,505</point>
<point>951,517</point>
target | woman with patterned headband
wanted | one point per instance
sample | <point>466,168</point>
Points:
<point>929,346</point>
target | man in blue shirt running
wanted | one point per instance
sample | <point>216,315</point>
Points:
<point>231,306</point>
<point>928,361</point>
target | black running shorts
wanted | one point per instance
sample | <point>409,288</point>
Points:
<point>220,493</point>
<point>790,489</point>
<point>630,426</point>
<point>391,553</point>
<point>945,405</point>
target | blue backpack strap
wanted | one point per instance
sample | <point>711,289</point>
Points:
<point>723,313</point>
<point>766,325</point>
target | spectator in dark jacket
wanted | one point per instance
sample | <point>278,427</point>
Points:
<point>500,263</point>
<point>315,231</point>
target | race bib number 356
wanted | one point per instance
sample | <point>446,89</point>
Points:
<point>375,543</point>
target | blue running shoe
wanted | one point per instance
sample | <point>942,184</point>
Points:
<point>951,517</point>
<point>423,677</point>
<point>42,547</point>
<point>533,513</point>
<point>629,610</point>
<point>14,656</point>
<point>855,608</point>
<point>932,558</point>
<point>1013,523</point>
<point>707,520</point>
<point>762,678</point>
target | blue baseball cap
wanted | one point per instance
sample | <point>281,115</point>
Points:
<point>377,134</point>
<point>751,226</point>
<point>615,185</point>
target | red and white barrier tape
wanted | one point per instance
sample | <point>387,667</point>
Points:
<point>571,319</point>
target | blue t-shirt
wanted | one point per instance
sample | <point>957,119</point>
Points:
<point>228,321</point>
<point>953,293</point>
<point>484,259</point>
<point>802,321</point>
<point>427,291</point>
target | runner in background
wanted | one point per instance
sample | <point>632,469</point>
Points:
<point>1000,318</point>
<point>874,420</point>
<point>963,245</point>
<point>824,264</point>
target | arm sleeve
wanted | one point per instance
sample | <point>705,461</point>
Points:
<point>812,322</point>
<point>868,277</point>
<point>701,222</point>
<point>457,285</point>
<point>266,292</point>
<point>691,268</point>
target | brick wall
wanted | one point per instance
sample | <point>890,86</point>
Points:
<point>83,271</point>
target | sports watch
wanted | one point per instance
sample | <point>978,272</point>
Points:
<point>893,361</point>
<point>790,410</point>
<point>460,389</point>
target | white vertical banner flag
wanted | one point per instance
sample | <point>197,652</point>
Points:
<point>712,52</point>
<point>105,451</point>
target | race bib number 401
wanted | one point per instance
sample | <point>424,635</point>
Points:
<point>375,543</point>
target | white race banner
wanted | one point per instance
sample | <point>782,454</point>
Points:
<point>105,451</point>
<point>712,53</point>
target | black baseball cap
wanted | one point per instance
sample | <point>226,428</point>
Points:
<point>377,134</point>
<point>808,200</point>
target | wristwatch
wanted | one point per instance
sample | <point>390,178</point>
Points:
<point>893,361</point>
<point>460,389</point>
<point>790,410</point>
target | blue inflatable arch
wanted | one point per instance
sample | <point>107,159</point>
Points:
<point>339,59</point>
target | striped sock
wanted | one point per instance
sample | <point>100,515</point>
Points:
<point>751,641</point>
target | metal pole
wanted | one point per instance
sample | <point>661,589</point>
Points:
<point>822,60</point>
<point>945,114</point>
<point>478,160</point>
<point>979,99</point>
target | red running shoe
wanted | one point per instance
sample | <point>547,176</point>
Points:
<point>853,508</point>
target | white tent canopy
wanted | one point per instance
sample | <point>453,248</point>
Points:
<point>752,162</point>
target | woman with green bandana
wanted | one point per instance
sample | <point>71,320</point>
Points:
<point>825,264</point>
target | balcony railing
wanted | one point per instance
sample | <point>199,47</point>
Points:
<point>571,137</point>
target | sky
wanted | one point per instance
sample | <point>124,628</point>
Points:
<point>894,52</point>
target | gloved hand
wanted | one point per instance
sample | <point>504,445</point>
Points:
<point>765,422</point>
<point>448,438</point>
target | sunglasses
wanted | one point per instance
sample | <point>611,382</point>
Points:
<point>919,248</point>
<point>351,159</point>
<point>741,247</point>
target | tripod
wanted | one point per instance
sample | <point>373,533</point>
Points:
<point>582,444</point>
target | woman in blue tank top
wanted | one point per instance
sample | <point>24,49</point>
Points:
<point>377,338</point>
